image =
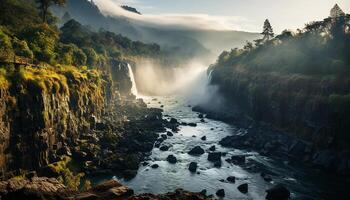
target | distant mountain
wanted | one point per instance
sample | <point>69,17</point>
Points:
<point>130,9</point>
<point>183,42</point>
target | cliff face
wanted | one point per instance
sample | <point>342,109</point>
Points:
<point>41,115</point>
<point>315,109</point>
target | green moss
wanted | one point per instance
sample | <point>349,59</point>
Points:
<point>4,83</point>
<point>60,166</point>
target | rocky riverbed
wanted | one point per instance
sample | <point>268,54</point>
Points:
<point>196,157</point>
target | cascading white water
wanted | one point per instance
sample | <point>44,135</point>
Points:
<point>132,78</point>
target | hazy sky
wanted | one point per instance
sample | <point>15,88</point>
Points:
<point>241,14</point>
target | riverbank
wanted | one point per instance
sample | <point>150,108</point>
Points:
<point>44,188</point>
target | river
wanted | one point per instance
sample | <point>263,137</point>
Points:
<point>302,182</point>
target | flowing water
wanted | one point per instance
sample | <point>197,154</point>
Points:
<point>132,78</point>
<point>303,183</point>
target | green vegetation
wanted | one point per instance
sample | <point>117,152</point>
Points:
<point>321,48</point>
<point>23,34</point>
<point>297,81</point>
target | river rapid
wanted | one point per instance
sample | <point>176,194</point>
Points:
<point>302,182</point>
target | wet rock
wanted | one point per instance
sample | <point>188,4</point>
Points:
<point>164,136</point>
<point>169,134</point>
<point>197,150</point>
<point>202,120</point>
<point>214,156</point>
<point>193,167</point>
<point>164,148</point>
<point>155,166</point>
<point>212,148</point>
<point>204,138</point>
<point>145,163</point>
<point>194,136</point>
<point>238,159</point>
<point>243,188</point>
<point>203,192</point>
<point>192,124</point>
<point>171,159</point>
<point>173,121</point>
<point>278,192</point>
<point>220,193</point>
<point>231,179</point>
<point>217,164</point>
<point>157,144</point>
<point>266,177</point>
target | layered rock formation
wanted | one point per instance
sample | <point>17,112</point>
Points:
<point>312,110</point>
<point>48,113</point>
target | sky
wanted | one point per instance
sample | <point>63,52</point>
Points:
<point>245,15</point>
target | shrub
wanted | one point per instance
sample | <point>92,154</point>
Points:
<point>21,48</point>
<point>5,45</point>
<point>42,40</point>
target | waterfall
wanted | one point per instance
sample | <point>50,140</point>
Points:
<point>210,75</point>
<point>132,78</point>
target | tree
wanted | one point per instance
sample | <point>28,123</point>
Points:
<point>248,46</point>
<point>267,30</point>
<point>45,4</point>
<point>336,11</point>
<point>66,17</point>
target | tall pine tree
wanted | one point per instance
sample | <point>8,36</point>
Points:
<point>267,31</point>
<point>336,11</point>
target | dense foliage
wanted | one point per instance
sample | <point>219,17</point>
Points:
<point>322,48</point>
<point>296,81</point>
<point>23,34</point>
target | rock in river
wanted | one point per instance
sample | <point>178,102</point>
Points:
<point>238,159</point>
<point>214,156</point>
<point>220,193</point>
<point>204,138</point>
<point>243,188</point>
<point>169,133</point>
<point>231,179</point>
<point>171,159</point>
<point>164,148</point>
<point>197,150</point>
<point>155,166</point>
<point>193,167</point>
<point>212,148</point>
<point>278,192</point>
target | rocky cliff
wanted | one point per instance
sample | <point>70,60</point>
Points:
<point>48,112</point>
<point>44,110</point>
<point>309,115</point>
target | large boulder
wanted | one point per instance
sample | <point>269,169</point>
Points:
<point>197,150</point>
<point>214,156</point>
<point>220,193</point>
<point>243,188</point>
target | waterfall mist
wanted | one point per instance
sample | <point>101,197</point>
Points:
<point>191,80</point>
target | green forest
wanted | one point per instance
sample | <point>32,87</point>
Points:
<point>23,34</point>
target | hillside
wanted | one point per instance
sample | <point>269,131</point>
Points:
<point>184,43</point>
<point>65,99</point>
<point>298,82</point>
